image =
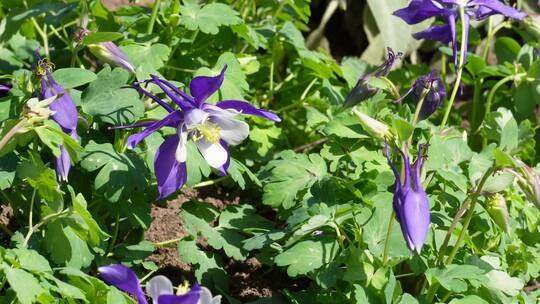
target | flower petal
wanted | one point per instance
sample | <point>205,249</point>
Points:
<point>223,169</point>
<point>157,286</point>
<point>174,119</point>
<point>206,297</point>
<point>170,174</point>
<point>245,108</point>
<point>124,279</point>
<point>181,149</point>
<point>437,32</point>
<point>192,297</point>
<point>498,7</point>
<point>215,154</point>
<point>203,87</point>
<point>418,11</point>
<point>62,164</point>
<point>232,131</point>
<point>416,218</point>
<point>194,117</point>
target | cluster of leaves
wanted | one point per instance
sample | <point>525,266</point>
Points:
<point>325,203</point>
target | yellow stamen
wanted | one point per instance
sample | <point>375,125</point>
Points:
<point>208,131</point>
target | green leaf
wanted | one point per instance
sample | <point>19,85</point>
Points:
<point>26,286</point>
<point>73,77</point>
<point>8,164</point>
<point>108,102</point>
<point>500,280</point>
<point>470,299</point>
<point>121,175</point>
<point>153,56</point>
<point>285,178</point>
<point>52,136</point>
<point>31,260</point>
<point>308,255</point>
<point>506,49</point>
<point>454,277</point>
<point>209,269</point>
<point>207,18</point>
<point>75,254</point>
<point>403,128</point>
<point>101,37</point>
<point>40,177</point>
<point>91,230</point>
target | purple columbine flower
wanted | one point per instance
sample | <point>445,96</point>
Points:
<point>420,10</point>
<point>4,87</point>
<point>212,127</point>
<point>65,114</point>
<point>363,90</point>
<point>410,201</point>
<point>432,86</point>
<point>112,54</point>
<point>159,288</point>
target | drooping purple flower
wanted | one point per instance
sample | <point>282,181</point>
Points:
<point>211,127</point>
<point>65,114</point>
<point>4,87</point>
<point>363,90</point>
<point>410,201</point>
<point>159,288</point>
<point>420,10</point>
<point>432,86</point>
<point>112,54</point>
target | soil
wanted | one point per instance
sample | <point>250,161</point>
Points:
<point>252,280</point>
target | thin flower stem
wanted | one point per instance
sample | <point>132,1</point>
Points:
<point>168,242</point>
<point>391,87</point>
<point>153,17</point>
<point>30,219</point>
<point>210,182</point>
<point>115,234</point>
<point>43,34</point>
<point>16,128</point>
<point>491,33</point>
<point>462,56</point>
<point>300,102</point>
<point>387,240</point>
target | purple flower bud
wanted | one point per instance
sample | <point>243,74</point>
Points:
<point>65,113</point>
<point>363,90</point>
<point>432,87</point>
<point>112,54</point>
<point>410,201</point>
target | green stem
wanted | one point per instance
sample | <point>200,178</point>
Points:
<point>14,130</point>
<point>210,182</point>
<point>43,34</point>
<point>115,234</point>
<point>391,87</point>
<point>387,240</point>
<point>462,56</point>
<point>168,242</point>
<point>301,101</point>
<point>476,104</point>
<point>153,17</point>
<point>490,35</point>
<point>30,219</point>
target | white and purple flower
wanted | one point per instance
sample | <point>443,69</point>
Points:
<point>211,127</point>
<point>65,114</point>
<point>159,288</point>
<point>449,10</point>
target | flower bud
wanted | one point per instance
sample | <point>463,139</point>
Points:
<point>498,210</point>
<point>372,126</point>
<point>36,111</point>
<point>110,53</point>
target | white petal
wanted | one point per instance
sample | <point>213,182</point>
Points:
<point>181,149</point>
<point>216,300</point>
<point>194,117</point>
<point>214,154</point>
<point>158,285</point>
<point>232,131</point>
<point>206,296</point>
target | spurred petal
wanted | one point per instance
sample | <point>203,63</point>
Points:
<point>215,154</point>
<point>170,174</point>
<point>117,56</point>
<point>124,279</point>
<point>418,11</point>
<point>62,164</point>
<point>500,8</point>
<point>179,100</point>
<point>245,108</point>
<point>4,87</point>
<point>173,118</point>
<point>157,286</point>
<point>203,87</point>
<point>154,97</point>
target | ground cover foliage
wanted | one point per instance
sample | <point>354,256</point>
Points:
<point>370,163</point>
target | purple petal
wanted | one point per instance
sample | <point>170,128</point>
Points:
<point>173,119</point>
<point>203,87</point>
<point>116,56</point>
<point>440,33</point>
<point>65,110</point>
<point>124,279</point>
<point>170,174</point>
<point>4,87</point>
<point>245,108</point>
<point>499,7</point>
<point>418,11</point>
<point>62,164</point>
<point>416,218</point>
<point>192,297</point>
<point>137,125</point>
<point>223,169</point>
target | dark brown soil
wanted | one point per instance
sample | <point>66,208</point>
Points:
<point>252,280</point>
